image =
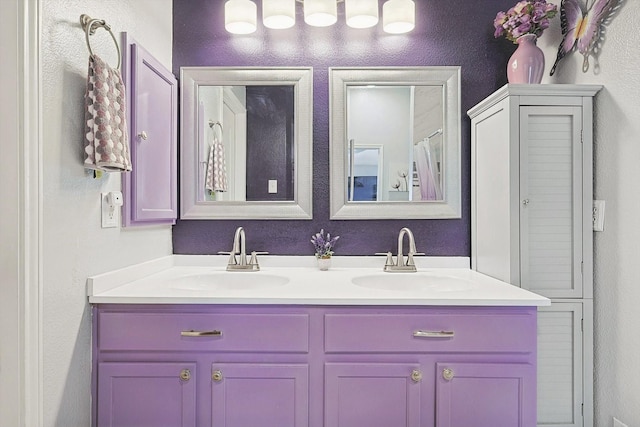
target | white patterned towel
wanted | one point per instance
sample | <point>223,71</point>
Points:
<point>106,139</point>
<point>216,168</point>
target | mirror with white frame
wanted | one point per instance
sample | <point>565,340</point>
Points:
<point>395,143</point>
<point>246,143</point>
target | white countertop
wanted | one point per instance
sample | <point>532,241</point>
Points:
<point>286,280</point>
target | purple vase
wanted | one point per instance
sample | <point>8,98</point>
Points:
<point>526,65</point>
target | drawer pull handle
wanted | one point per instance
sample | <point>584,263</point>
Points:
<point>416,376</point>
<point>192,333</point>
<point>217,375</point>
<point>448,374</point>
<point>185,375</point>
<point>433,334</point>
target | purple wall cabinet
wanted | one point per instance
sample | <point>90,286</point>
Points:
<point>265,395</point>
<point>147,395</point>
<point>314,366</point>
<point>150,189</point>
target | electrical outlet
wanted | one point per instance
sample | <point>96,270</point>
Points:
<point>598,215</point>
<point>110,212</point>
<point>618,423</point>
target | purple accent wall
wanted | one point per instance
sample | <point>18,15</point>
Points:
<point>448,32</point>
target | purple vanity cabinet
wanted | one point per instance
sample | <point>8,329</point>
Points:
<point>147,394</point>
<point>430,366</point>
<point>259,394</point>
<point>150,189</point>
<point>314,366</point>
<point>485,394</point>
<point>372,395</point>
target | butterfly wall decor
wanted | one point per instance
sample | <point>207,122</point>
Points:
<point>583,31</point>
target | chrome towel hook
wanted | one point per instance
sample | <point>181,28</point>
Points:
<point>89,25</point>
<point>213,125</point>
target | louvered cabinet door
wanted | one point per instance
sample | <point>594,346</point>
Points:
<point>551,200</point>
<point>562,390</point>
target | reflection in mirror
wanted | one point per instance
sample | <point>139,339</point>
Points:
<point>412,115</point>
<point>412,135</point>
<point>255,127</point>
<point>365,172</point>
<point>246,143</point>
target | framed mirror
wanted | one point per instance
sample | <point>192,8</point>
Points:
<point>395,143</point>
<point>246,143</point>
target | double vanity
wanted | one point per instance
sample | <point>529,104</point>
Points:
<point>272,341</point>
<point>181,341</point>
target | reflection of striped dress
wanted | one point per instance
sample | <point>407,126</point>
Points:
<point>216,179</point>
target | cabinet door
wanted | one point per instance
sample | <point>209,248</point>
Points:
<point>146,394</point>
<point>372,395</point>
<point>151,187</point>
<point>560,362</point>
<point>259,395</point>
<point>551,200</point>
<point>485,394</point>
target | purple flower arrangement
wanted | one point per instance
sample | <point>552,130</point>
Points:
<point>324,244</point>
<point>526,17</point>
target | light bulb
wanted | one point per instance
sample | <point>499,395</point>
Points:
<point>398,16</point>
<point>240,16</point>
<point>320,13</point>
<point>279,14</point>
<point>361,13</point>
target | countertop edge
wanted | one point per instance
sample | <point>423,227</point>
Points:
<point>321,301</point>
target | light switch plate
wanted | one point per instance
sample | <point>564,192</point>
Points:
<point>273,186</point>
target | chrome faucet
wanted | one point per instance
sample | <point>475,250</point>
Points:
<point>400,265</point>
<point>240,263</point>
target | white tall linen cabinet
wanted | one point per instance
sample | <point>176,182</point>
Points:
<point>531,225</point>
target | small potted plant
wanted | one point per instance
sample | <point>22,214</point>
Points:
<point>323,245</point>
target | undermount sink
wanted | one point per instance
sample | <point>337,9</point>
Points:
<point>224,280</point>
<point>408,282</point>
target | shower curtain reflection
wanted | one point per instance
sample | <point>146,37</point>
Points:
<point>427,155</point>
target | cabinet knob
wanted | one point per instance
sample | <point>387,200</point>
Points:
<point>185,375</point>
<point>217,375</point>
<point>525,202</point>
<point>448,374</point>
<point>416,376</point>
<point>143,135</point>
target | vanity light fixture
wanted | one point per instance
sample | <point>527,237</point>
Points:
<point>279,14</point>
<point>241,15</point>
<point>398,16</point>
<point>320,13</point>
<point>361,13</point>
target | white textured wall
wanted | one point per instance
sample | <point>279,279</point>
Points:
<point>74,244</point>
<point>617,178</point>
<point>10,220</point>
